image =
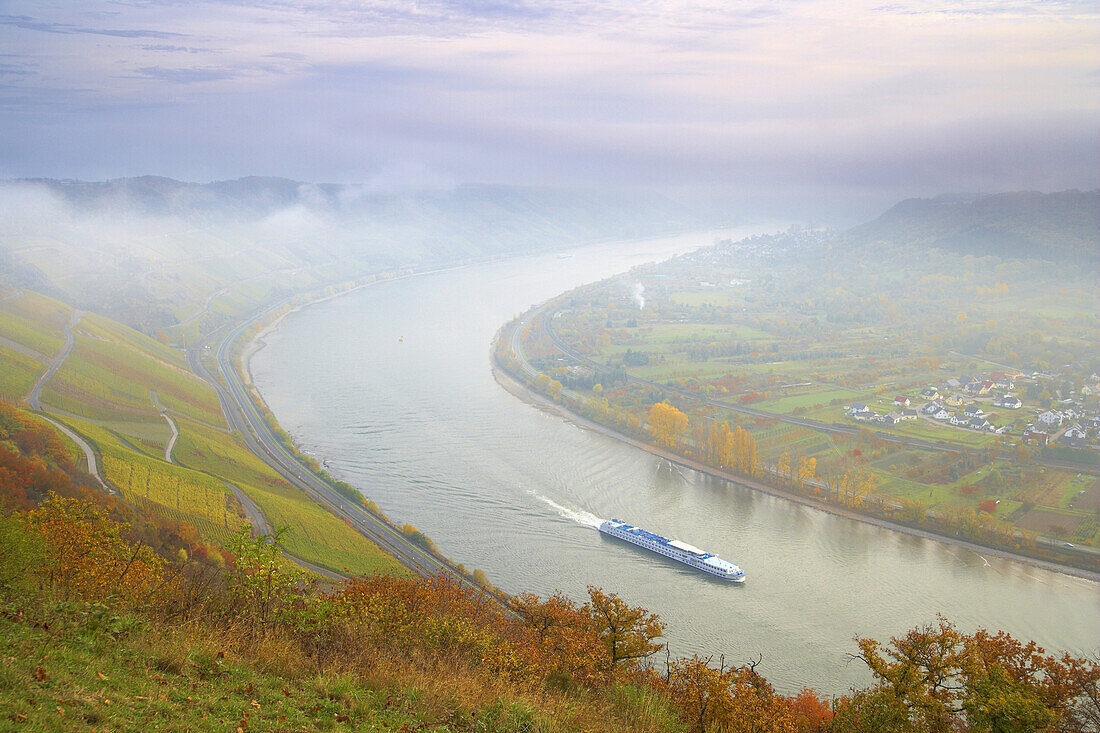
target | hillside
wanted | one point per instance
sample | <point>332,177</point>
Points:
<point>1062,227</point>
<point>127,395</point>
<point>156,253</point>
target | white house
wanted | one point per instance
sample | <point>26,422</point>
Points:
<point>1075,434</point>
<point>1009,402</point>
<point>1050,417</point>
<point>942,414</point>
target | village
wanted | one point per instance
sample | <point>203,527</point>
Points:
<point>990,403</point>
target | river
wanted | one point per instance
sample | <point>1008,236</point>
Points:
<point>391,385</point>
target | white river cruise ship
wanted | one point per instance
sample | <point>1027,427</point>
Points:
<point>682,551</point>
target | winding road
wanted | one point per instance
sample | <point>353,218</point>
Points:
<point>34,398</point>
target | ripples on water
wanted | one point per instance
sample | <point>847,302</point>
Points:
<point>392,386</point>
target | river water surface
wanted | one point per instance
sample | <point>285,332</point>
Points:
<point>391,384</point>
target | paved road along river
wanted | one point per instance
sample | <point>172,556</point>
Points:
<point>391,385</point>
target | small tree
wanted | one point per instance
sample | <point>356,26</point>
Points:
<point>259,583</point>
<point>627,633</point>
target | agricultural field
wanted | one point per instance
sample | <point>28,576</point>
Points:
<point>172,491</point>
<point>107,380</point>
<point>104,328</point>
<point>18,373</point>
<point>35,321</point>
<point>807,330</point>
<point>111,389</point>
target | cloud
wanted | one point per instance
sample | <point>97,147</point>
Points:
<point>29,23</point>
<point>168,48</point>
<point>188,76</point>
<point>917,97</point>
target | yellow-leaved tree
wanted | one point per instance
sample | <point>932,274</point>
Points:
<point>667,423</point>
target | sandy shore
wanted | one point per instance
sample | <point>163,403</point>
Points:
<point>510,383</point>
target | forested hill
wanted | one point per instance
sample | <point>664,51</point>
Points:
<point>1058,226</point>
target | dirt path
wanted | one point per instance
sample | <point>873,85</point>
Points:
<point>260,525</point>
<point>34,397</point>
<point>171,426</point>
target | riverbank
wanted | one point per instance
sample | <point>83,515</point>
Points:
<point>521,391</point>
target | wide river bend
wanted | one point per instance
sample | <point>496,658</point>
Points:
<point>392,386</point>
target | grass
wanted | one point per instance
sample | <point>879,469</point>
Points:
<point>135,340</point>
<point>149,436</point>
<point>24,332</point>
<point>125,671</point>
<point>182,679</point>
<point>789,404</point>
<point>948,434</point>
<point>35,320</point>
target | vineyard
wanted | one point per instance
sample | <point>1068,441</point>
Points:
<point>22,331</point>
<point>110,330</point>
<point>224,455</point>
<point>315,534</point>
<point>105,380</point>
<point>171,491</point>
<point>320,537</point>
<point>17,374</point>
<point>36,321</point>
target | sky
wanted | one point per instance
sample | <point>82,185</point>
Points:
<point>806,99</point>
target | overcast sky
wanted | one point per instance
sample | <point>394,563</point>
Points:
<point>820,97</point>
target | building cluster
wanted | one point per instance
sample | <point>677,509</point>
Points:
<point>965,402</point>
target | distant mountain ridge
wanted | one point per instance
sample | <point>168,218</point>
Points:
<point>1061,226</point>
<point>583,211</point>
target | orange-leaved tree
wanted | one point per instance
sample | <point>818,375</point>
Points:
<point>937,678</point>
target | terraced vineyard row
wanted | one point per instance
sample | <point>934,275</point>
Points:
<point>169,490</point>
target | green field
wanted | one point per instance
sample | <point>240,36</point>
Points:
<point>24,332</point>
<point>172,491</point>
<point>34,320</point>
<point>789,404</point>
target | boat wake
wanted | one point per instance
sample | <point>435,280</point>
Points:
<point>579,516</point>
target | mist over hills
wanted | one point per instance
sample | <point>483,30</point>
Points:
<point>1061,226</point>
<point>153,252</point>
<point>160,246</point>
